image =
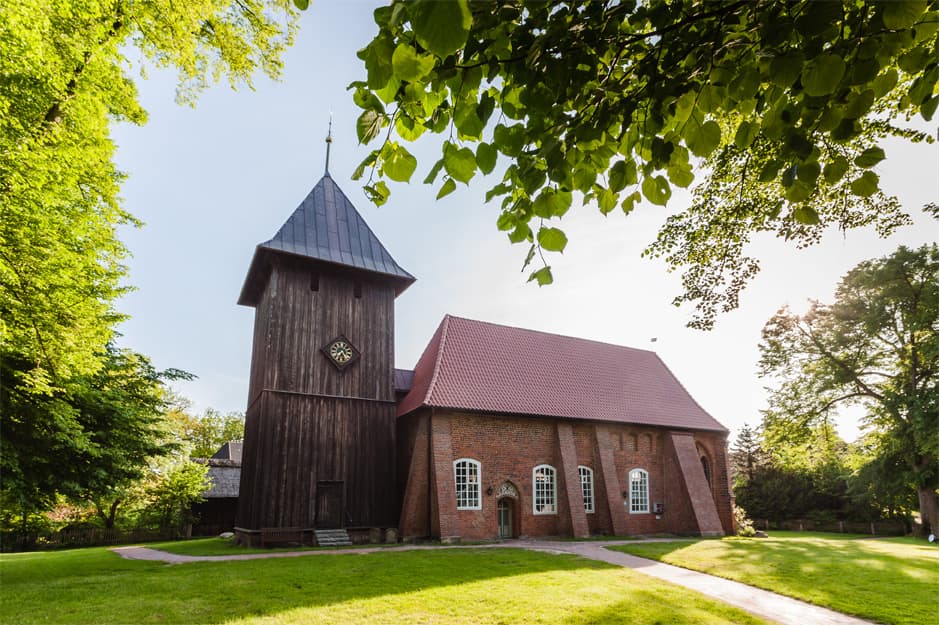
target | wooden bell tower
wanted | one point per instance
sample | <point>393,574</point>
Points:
<point>319,447</point>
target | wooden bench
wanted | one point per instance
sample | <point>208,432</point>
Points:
<point>271,536</point>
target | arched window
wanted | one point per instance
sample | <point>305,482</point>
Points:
<point>544,483</point>
<point>638,491</point>
<point>586,487</point>
<point>707,469</point>
<point>467,476</point>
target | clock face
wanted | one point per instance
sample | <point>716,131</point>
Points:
<point>340,352</point>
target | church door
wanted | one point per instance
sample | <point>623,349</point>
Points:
<point>505,518</point>
<point>329,505</point>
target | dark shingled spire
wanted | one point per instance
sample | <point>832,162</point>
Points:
<point>326,228</point>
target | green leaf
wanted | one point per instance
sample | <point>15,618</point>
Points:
<point>823,74</point>
<point>747,133</point>
<point>432,174</point>
<point>486,156</point>
<point>680,175</point>
<point>441,27</point>
<point>656,190</point>
<point>407,128</point>
<point>467,122</point>
<point>928,108</point>
<point>584,176</point>
<point>630,202</point>
<point>377,57</point>
<point>303,5</point>
<point>509,139</point>
<point>899,14</point>
<point>702,139</point>
<point>521,233</point>
<point>369,125</point>
<point>799,191</point>
<point>806,215</point>
<point>507,221</point>
<point>378,192</point>
<point>607,201</point>
<point>551,203</point>
<point>784,69</point>
<point>870,157</point>
<point>552,239</point>
<point>448,187</point>
<point>808,172</point>
<point>543,276</point>
<point>866,185</point>
<point>622,173</point>
<point>409,65</point>
<point>460,163</point>
<point>368,161</point>
<point>835,169</point>
<point>399,165</point>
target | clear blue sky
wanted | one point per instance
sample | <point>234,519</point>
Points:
<point>214,181</point>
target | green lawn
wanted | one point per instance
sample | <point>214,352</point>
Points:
<point>890,580</point>
<point>440,586</point>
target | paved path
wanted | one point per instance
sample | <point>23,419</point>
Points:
<point>763,603</point>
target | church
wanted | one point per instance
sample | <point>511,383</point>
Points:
<point>497,432</point>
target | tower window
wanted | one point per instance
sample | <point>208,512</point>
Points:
<point>357,289</point>
<point>314,282</point>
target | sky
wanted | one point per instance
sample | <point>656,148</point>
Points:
<point>211,182</point>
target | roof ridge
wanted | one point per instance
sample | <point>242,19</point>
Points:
<point>445,325</point>
<point>555,334</point>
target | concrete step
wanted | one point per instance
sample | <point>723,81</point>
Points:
<point>332,538</point>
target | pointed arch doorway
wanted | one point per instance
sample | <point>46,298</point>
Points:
<point>507,511</point>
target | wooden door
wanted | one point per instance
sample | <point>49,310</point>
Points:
<point>329,502</point>
<point>505,518</point>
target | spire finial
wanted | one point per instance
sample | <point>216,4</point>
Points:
<point>329,140</point>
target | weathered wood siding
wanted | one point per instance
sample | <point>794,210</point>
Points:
<point>307,421</point>
<point>293,322</point>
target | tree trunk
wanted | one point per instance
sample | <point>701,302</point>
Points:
<point>928,509</point>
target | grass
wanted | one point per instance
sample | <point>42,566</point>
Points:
<point>440,586</point>
<point>890,580</point>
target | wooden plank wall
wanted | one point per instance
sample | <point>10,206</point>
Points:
<point>300,440</point>
<point>293,322</point>
<point>307,421</point>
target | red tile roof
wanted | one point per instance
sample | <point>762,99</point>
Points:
<point>483,367</point>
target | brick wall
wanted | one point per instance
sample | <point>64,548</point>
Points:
<point>508,448</point>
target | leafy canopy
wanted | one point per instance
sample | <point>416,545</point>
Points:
<point>782,105</point>
<point>65,79</point>
<point>79,417</point>
<point>876,346</point>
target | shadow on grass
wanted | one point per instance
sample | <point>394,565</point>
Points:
<point>96,586</point>
<point>889,581</point>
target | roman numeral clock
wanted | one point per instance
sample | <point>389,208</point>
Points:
<point>340,352</point>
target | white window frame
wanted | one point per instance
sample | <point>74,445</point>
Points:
<point>586,488</point>
<point>544,488</point>
<point>468,496</point>
<point>638,491</point>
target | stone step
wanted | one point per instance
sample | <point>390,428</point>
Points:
<point>332,538</point>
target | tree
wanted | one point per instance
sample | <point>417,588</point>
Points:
<point>89,441</point>
<point>203,435</point>
<point>785,104</point>
<point>746,454</point>
<point>876,346</point>
<point>65,80</point>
